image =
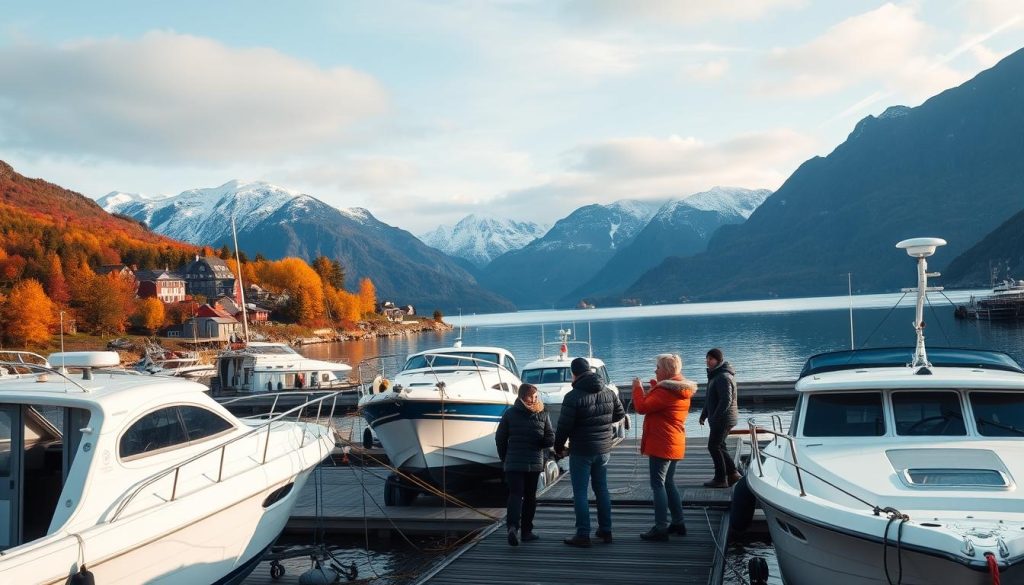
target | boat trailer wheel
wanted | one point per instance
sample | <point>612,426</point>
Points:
<point>367,438</point>
<point>276,570</point>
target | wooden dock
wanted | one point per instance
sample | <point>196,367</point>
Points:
<point>350,500</point>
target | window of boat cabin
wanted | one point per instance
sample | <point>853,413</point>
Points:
<point>998,414</point>
<point>928,414</point>
<point>546,375</point>
<point>170,427</point>
<point>844,414</point>
<point>38,445</point>
<point>510,364</point>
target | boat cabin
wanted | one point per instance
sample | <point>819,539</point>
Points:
<point>269,367</point>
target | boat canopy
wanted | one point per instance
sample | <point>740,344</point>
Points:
<point>887,357</point>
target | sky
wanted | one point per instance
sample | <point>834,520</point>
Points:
<point>424,112</point>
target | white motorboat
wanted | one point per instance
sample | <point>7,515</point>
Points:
<point>436,420</point>
<point>553,378</point>
<point>161,362</point>
<point>140,479</point>
<point>268,367</point>
<point>901,465</point>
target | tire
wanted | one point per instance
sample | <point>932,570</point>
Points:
<point>398,494</point>
<point>367,438</point>
<point>757,570</point>
<point>741,508</point>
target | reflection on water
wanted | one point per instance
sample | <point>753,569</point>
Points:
<point>760,345</point>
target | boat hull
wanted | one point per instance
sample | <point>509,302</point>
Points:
<point>216,536</point>
<point>811,553</point>
<point>448,444</point>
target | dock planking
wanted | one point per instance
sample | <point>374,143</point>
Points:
<point>351,501</point>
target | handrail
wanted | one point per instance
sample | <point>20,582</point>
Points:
<point>222,448</point>
<point>45,369</point>
<point>754,429</point>
<point>477,369</point>
<point>361,385</point>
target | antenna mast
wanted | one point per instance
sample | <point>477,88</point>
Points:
<point>921,248</point>
<point>849,288</point>
<point>241,285</point>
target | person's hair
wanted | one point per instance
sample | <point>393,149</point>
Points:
<point>717,354</point>
<point>525,389</point>
<point>670,363</point>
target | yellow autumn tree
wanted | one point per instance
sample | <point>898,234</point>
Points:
<point>110,303</point>
<point>27,314</point>
<point>367,296</point>
<point>150,313</point>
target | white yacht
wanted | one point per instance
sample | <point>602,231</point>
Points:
<point>901,465</point>
<point>436,420</point>
<point>267,367</point>
<point>139,479</point>
<point>161,362</point>
<point>553,378</point>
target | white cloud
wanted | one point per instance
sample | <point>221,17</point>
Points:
<point>708,70</point>
<point>887,45</point>
<point>677,12</point>
<point>655,168</point>
<point>172,97</point>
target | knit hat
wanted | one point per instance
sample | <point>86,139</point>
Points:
<point>579,366</point>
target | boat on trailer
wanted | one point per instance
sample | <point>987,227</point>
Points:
<point>436,420</point>
<point>140,479</point>
<point>900,465</point>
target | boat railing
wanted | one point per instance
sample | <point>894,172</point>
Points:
<point>756,448</point>
<point>255,431</point>
<point>479,365</point>
<point>366,363</point>
<point>224,401</point>
<point>568,343</point>
<point>37,369</point>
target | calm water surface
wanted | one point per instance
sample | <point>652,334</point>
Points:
<point>764,340</point>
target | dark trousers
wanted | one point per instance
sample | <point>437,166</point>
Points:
<point>522,499</point>
<point>724,465</point>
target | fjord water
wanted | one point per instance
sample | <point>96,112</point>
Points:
<point>764,340</point>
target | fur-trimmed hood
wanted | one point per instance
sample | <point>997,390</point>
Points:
<point>679,386</point>
<point>538,405</point>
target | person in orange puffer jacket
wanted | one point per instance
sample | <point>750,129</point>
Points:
<point>665,404</point>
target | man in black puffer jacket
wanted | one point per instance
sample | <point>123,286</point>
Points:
<point>722,414</point>
<point>523,435</point>
<point>588,412</point>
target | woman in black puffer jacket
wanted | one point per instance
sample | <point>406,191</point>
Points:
<point>523,435</point>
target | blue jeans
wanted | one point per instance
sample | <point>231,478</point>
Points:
<point>665,492</point>
<point>591,469</point>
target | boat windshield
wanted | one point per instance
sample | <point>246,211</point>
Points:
<point>928,413</point>
<point>547,376</point>
<point>853,414</point>
<point>271,349</point>
<point>453,359</point>
<point>998,414</point>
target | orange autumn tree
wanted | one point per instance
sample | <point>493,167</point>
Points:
<point>110,303</point>
<point>27,314</point>
<point>56,284</point>
<point>367,296</point>
<point>149,313</point>
<point>305,292</point>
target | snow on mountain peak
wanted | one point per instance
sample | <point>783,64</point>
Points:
<point>480,239</point>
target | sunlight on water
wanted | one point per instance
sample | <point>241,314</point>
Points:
<point>761,344</point>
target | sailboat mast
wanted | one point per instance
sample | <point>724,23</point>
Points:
<point>241,285</point>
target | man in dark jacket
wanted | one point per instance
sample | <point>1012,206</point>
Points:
<point>722,414</point>
<point>523,435</point>
<point>588,412</point>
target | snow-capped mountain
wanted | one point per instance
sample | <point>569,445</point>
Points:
<point>480,239</point>
<point>576,247</point>
<point>681,227</point>
<point>202,216</point>
<point>279,222</point>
